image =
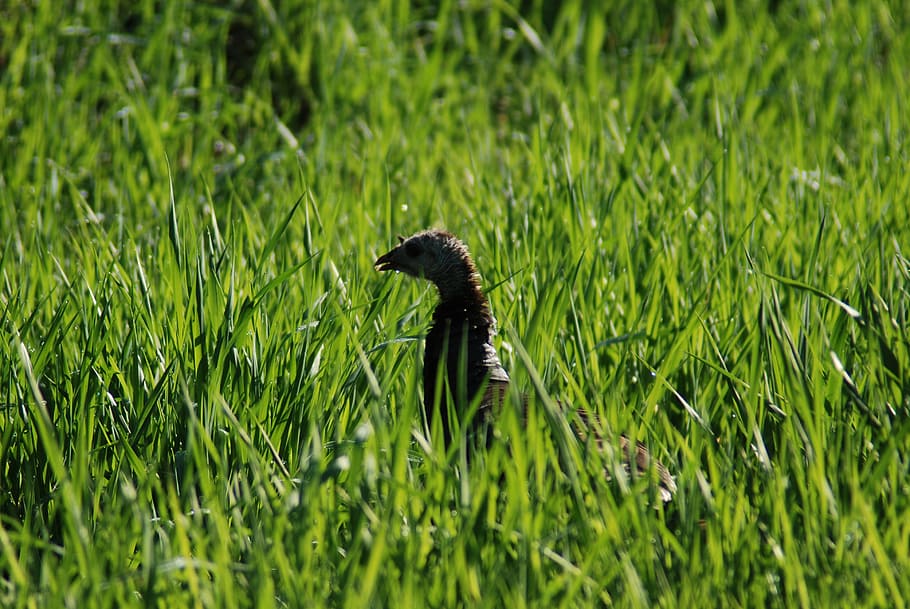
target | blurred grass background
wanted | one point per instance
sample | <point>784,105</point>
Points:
<point>691,216</point>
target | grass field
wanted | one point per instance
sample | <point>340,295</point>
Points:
<point>690,218</point>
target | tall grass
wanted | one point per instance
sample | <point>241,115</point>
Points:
<point>691,218</point>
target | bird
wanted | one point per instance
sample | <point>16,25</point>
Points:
<point>459,347</point>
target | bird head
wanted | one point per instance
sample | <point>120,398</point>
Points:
<point>435,255</point>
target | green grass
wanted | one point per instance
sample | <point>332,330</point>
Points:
<point>691,219</point>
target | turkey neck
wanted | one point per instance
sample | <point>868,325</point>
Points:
<point>461,335</point>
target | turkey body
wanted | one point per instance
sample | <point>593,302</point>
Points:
<point>459,345</point>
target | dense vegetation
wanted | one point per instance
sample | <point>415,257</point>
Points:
<point>690,217</point>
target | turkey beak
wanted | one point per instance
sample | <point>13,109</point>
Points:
<point>387,262</point>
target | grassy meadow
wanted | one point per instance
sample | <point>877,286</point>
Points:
<point>690,217</point>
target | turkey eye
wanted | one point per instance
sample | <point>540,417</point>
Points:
<point>412,249</point>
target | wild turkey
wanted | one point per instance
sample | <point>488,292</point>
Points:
<point>462,333</point>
